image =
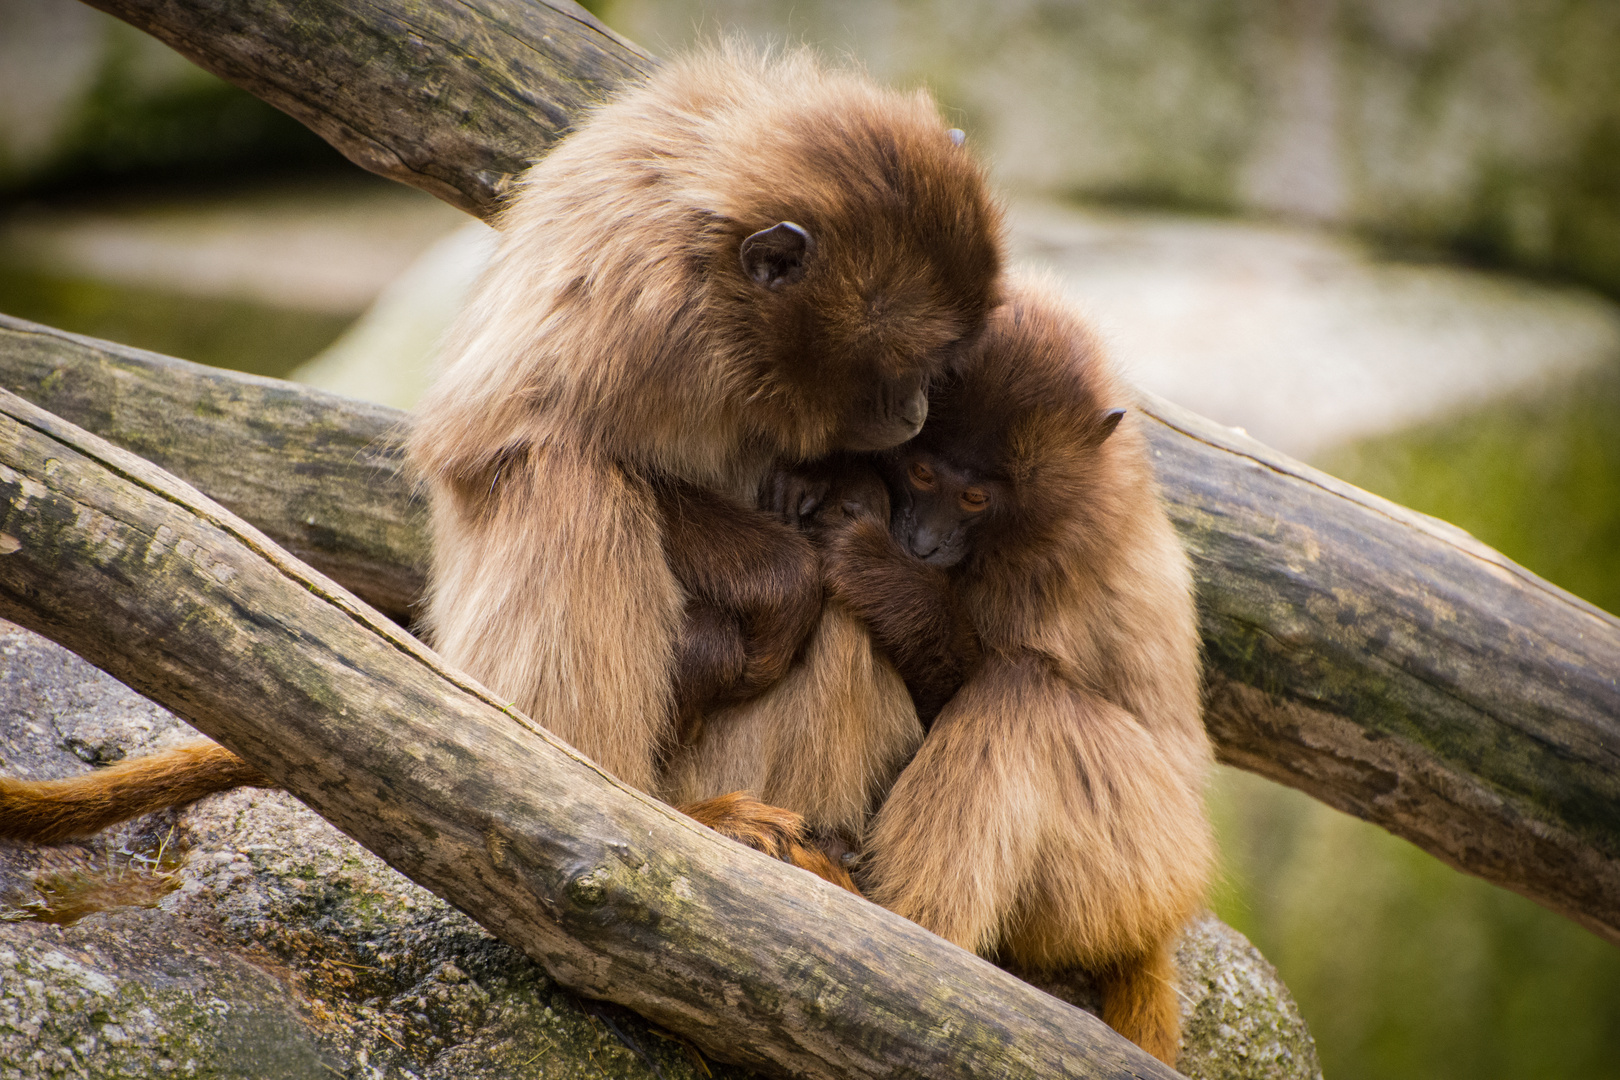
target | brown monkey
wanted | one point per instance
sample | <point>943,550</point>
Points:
<point>742,260</point>
<point>1030,591</point>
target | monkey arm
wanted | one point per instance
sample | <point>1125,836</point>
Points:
<point>753,591</point>
<point>910,609</point>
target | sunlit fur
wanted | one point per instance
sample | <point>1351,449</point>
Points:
<point>1054,815</point>
<point>49,811</point>
<point>616,340</point>
<point>615,349</point>
<point>827,740</point>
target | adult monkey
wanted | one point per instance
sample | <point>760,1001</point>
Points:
<point>1031,592</point>
<point>741,261</point>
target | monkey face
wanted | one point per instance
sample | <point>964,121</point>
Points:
<point>885,396</point>
<point>939,505</point>
<point>857,335</point>
<point>861,274</point>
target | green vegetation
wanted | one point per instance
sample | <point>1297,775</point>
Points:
<point>147,121</point>
<point>236,334</point>
<point>1403,967</point>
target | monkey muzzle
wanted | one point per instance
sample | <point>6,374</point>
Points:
<point>902,407</point>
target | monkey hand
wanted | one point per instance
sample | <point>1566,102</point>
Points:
<point>771,830</point>
<point>854,549</point>
<point>795,492</point>
<point>858,494</point>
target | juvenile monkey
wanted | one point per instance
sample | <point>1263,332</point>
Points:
<point>1029,589</point>
<point>740,261</point>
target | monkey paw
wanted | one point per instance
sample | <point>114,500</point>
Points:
<point>771,830</point>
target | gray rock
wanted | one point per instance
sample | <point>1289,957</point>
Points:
<point>246,937</point>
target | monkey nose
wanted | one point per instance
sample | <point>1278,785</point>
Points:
<point>913,410</point>
<point>925,542</point>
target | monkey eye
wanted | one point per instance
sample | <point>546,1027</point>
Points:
<point>922,476</point>
<point>973,500</point>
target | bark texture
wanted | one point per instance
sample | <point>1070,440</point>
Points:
<point>321,474</point>
<point>455,99</point>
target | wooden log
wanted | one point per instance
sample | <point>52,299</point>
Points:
<point>1383,661</point>
<point>616,894</point>
<point>1396,668</point>
<point>1360,652</point>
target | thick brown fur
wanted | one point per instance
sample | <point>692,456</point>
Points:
<point>1054,815</point>
<point>753,594</point>
<point>50,811</point>
<point>616,345</point>
<point>623,378</point>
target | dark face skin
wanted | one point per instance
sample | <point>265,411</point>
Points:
<point>938,504</point>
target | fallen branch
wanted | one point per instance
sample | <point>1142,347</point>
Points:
<point>320,473</point>
<point>455,99</point>
<point>616,894</point>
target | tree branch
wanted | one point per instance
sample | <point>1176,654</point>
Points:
<point>455,99</point>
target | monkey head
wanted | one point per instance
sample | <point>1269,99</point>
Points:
<point>1012,457</point>
<point>938,496</point>
<point>863,254</point>
<point>744,258</point>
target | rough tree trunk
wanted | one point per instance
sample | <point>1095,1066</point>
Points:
<point>1375,658</point>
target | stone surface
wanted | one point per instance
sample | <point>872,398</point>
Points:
<point>245,937</point>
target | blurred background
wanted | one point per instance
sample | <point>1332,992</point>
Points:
<point>1382,235</point>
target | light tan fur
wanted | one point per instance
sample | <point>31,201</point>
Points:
<point>827,741</point>
<point>616,346</point>
<point>614,341</point>
<point>1054,815</point>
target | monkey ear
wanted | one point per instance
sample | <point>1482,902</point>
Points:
<point>1110,421</point>
<point>777,256</point>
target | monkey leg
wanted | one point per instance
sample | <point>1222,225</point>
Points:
<point>1139,1002</point>
<point>51,811</point>
<point>1044,827</point>
<point>959,836</point>
<point>776,832</point>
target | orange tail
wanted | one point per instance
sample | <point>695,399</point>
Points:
<point>1139,1002</point>
<point>772,830</point>
<point>50,811</point>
